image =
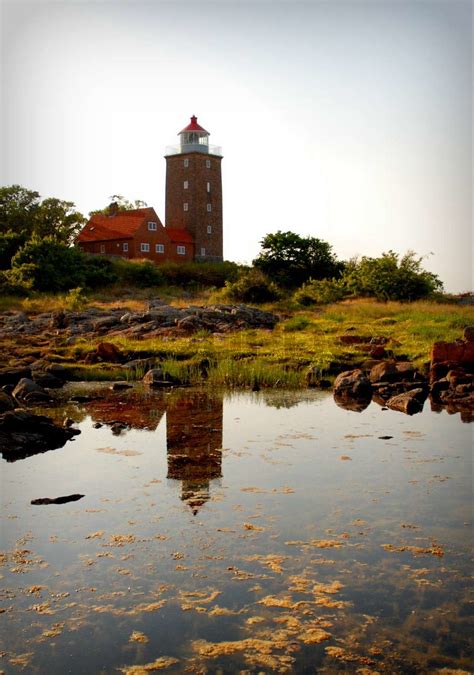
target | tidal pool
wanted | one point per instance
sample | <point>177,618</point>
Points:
<point>240,533</point>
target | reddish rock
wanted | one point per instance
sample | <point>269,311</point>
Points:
<point>392,371</point>
<point>377,352</point>
<point>410,402</point>
<point>109,352</point>
<point>453,352</point>
<point>469,334</point>
<point>353,383</point>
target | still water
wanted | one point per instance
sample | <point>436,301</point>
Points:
<point>240,533</point>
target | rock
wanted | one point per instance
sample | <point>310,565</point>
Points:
<point>377,352</point>
<point>23,434</point>
<point>392,371</point>
<point>468,334</point>
<point>458,352</point>
<point>49,381</point>
<point>353,383</point>
<point>109,352</point>
<point>156,378</point>
<point>68,422</point>
<point>6,402</point>
<point>57,500</point>
<point>350,403</point>
<point>120,386</point>
<point>13,375</point>
<point>410,402</point>
<point>104,323</point>
<point>26,387</point>
<point>58,319</point>
<point>117,427</point>
<point>58,371</point>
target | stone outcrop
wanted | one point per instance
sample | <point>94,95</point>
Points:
<point>410,402</point>
<point>353,384</point>
<point>23,434</point>
<point>452,374</point>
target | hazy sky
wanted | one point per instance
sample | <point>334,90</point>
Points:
<point>348,121</point>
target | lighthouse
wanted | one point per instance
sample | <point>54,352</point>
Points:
<point>194,191</point>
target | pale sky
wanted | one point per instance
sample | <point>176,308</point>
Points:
<point>350,121</point>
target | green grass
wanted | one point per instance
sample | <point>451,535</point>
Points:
<point>279,358</point>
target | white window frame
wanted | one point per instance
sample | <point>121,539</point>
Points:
<point>209,208</point>
<point>102,248</point>
<point>186,163</point>
<point>209,229</point>
<point>208,163</point>
<point>159,248</point>
<point>144,247</point>
<point>203,251</point>
<point>125,247</point>
<point>185,206</point>
<point>152,226</point>
<point>181,250</point>
<point>185,184</point>
<point>208,186</point>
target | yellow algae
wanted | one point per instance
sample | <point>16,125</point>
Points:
<point>250,526</point>
<point>96,535</point>
<point>137,636</point>
<point>255,490</point>
<point>222,611</point>
<point>313,636</point>
<point>54,631</point>
<point>22,660</point>
<point>332,588</point>
<point>325,543</point>
<point>271,561</point>
<point>35,590</point>
<point>120,539</point>
<point>43,608</point>
<point>345,458</point>
<point>299,584</point>
<point>285,490</point>
<point>285,602</point>
<point>148,607</point>
<point>252,620</point>
<point>434,549</point>
<point>331,604</point>
<point>201,597</point>
<point>160,664</point>
<point>124,453</point>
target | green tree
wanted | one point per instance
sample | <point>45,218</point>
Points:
<point>391,277</point>
<point>122,204</point>
<point>290,259</point>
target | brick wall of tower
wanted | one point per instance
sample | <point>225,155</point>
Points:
<point>197,219</point>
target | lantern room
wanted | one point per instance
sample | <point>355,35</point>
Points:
<point>194,138</point>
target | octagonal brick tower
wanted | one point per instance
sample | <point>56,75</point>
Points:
<point>194,190</point>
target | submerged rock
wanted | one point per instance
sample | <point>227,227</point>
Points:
<point>410,402</point>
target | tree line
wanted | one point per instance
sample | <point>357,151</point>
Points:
<point>37,253</point>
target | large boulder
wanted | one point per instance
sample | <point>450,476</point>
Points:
<point>6,402</point>
<point>393,371</point>
<point>13,375</point>
<point>28,391</point>
<point>109,352</point>
<point>23,434</point>
<point>157,378</point>
<point>354,384</point>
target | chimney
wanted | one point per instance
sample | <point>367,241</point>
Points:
<point>113,209</point>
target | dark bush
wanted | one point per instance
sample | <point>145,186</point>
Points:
<point>199,274</point>
<point>141,274</point>
<point>252,286</point>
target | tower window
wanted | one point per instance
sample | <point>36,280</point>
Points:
<point>125,247</point>
<point>203,251</point>
<point>208,186</point>
<point>186,163</point>
<point>152,226</point>
<point>185,206</point>
<point>208,163</point>
<point>144,248</point>
<point>159,248</point>
<point>185,184</point>
<point>209,207</point>
<point>209,229</point>
<point>102,248</point>
<point>181,250</point>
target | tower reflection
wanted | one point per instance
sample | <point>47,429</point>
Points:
<point>194,444</point>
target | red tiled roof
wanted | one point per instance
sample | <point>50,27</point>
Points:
<point>121,226</point>
<point>177,235</point>
<point>193,126</point>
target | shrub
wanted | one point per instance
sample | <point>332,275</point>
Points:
<point>98,271</point>
<point>252,286</point>
<point>46,265</point>
<point>140,273</point>
<point>320,292</point>
<point>199,274</point>
<point>390,277</point>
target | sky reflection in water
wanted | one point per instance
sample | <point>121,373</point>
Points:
<point>270,532</point>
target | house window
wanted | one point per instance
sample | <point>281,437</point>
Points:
<point>159,248</point>
<point>208,163</point>
<point>186,163</point>
<point>185,206</point>
<point>102,248</point>
<point>208,186</point>
<point>152,226</point>
<point>185,184</point>
<point>209,229</point>
<point>125,247</point>
<point>181,250</point>
<point>203,251</point>
<point>209,207</point>
<point>144,248</point>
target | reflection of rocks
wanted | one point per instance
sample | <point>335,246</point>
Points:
<point>410,402</point>
<point>194,443</point>
<point>127,408</point>
<point>353,404</point>
<point>23,434</point>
